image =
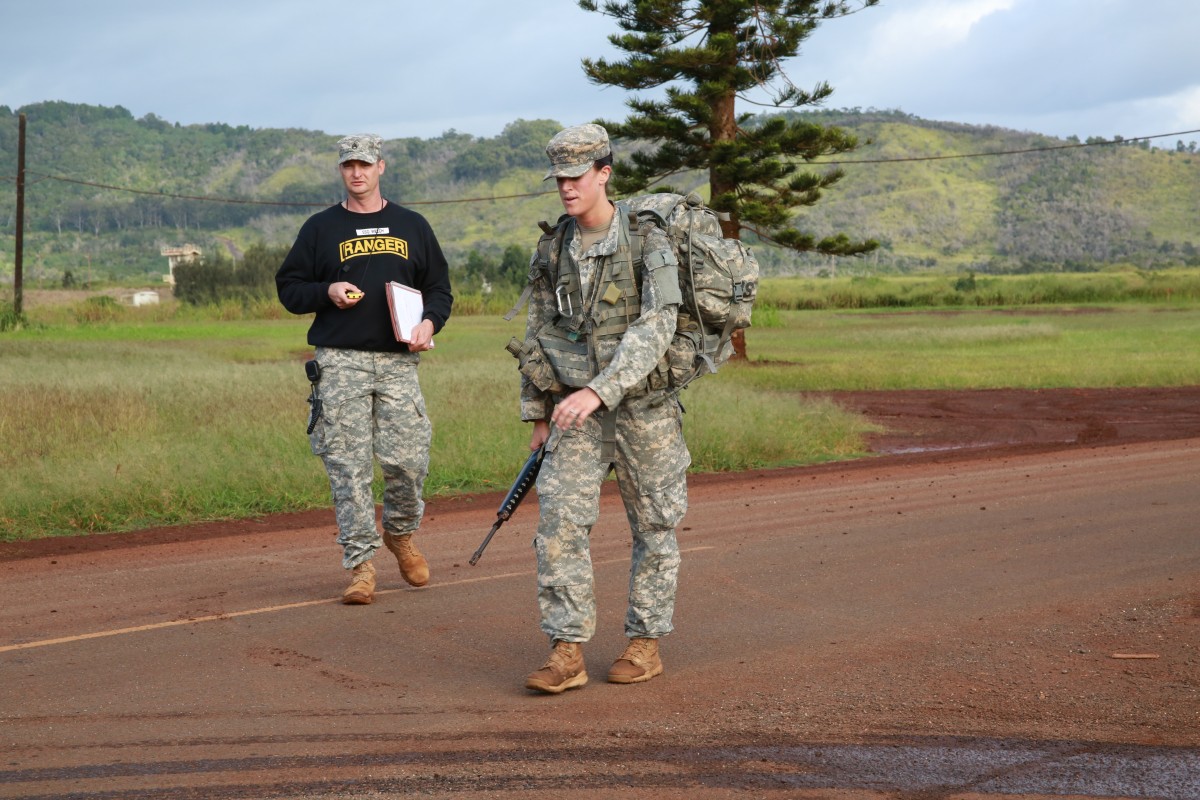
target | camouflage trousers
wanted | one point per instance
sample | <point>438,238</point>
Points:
<point>372,408</point>
<point>651,469</point>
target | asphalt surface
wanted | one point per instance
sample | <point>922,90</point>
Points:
<point>1020,627</point>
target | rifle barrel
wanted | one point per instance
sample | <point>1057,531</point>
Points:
<point>487,539</point>
<point>514,497</point>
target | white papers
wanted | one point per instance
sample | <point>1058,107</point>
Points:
<point>407,307</point>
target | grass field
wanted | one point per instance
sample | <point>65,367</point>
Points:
<point>144,417</point>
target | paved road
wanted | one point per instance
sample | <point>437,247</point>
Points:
<point>936,630</point>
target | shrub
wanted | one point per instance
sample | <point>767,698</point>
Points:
<point>219,280</point>
<point>98,309</point>
<point>10,320</point>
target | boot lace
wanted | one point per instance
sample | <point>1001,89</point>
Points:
<point>559,656</point>
<point>403,546</point>
<point>639,651</point>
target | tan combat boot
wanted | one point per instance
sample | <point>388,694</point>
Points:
<point>413,566</point>
<point>563,670</point>
<point>639,662</point>
<point>361,590</point>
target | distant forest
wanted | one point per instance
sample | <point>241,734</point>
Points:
<point>105,192</point>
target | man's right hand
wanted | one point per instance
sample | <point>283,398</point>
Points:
<point>340,293</point>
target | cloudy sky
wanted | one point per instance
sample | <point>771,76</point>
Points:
<point>418,68</point>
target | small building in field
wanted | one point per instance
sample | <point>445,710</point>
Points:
<point>178,254</point>
<point>146,297</point>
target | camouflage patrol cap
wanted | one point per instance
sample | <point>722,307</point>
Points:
<point>573,150</point>
<point>366,147</point>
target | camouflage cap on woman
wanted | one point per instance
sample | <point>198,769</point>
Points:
<point>573,150</point>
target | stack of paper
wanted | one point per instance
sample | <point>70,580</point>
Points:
<point>407,308</point>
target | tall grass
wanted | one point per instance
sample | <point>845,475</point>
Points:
<point>970,290</point>
<point>118,426</point>
<point>134,417</point>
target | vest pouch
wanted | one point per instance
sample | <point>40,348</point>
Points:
<point>569,359</point>
<point>659,377</point>
<point>681,358</point>
<point>532,363</point>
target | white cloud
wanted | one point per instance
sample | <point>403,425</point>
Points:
<point>924,29</point>
<point>1180,110</point>
<point>1087,67</point>
<point>1068,67</point>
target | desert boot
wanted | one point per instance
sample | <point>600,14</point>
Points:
<point>361,590</point>
<point>563,670</point>
<point>413,566</point>
<point>639,662</point>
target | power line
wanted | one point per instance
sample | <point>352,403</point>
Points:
<point>236,201</point>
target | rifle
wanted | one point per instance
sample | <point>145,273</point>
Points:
<point>515,495</point>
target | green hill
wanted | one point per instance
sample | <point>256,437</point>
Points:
<point>1066,205</point>
<point>105,192</point>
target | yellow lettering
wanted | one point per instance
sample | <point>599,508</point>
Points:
<point>372,244</point>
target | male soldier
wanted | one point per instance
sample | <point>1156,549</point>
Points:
<point>602,319</point>
<point>370,401</point>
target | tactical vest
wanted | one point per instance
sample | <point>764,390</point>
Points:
<point>578,343</point>
<point>569,341</point>
<point>714,286</point>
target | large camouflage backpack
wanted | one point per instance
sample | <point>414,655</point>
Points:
<point>718,278</point>
<point>718,281</point>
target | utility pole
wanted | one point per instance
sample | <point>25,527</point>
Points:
<point>19,245</point>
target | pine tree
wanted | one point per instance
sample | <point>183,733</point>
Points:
<point>723,49</point>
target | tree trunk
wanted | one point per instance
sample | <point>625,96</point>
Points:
<point>724,129</point>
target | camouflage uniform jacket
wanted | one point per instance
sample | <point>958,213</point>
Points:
<point>626,361</point>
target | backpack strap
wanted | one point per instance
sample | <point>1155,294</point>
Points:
<point>635,239</point>
<point>526,293</point>
<point>550,234</point>
<point>608,436</point>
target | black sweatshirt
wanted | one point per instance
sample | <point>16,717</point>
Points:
<point>367,250</point>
